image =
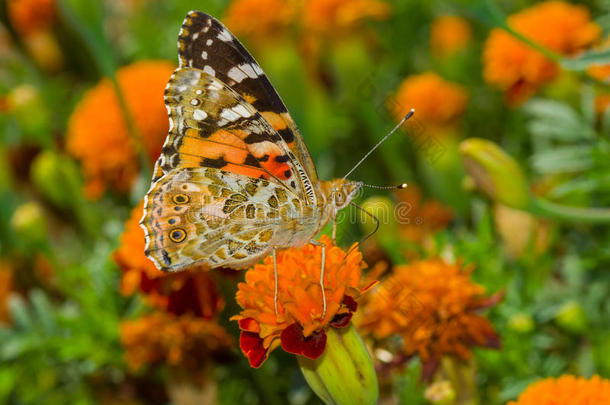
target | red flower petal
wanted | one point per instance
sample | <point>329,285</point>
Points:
<point>341,320</point>
<point>249,325</point>
<point>350,303</point>
<point>294,342</point>
<point>252,347</point>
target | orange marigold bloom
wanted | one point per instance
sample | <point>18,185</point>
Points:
<point>519,70</point>
<point>192,291</point>
<point>299,325</point>
<point>6,287</point>
<point>31,16</point>
<point>272,17</point>
<point>449,34</point>
<point>97,131</point>
<point>566,390</point>
<point>333,16</point>
<point>437,102</point>
<point>433,306</point>
<point>184,341</point>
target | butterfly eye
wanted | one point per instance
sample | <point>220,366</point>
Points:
<point>177,235</point>
<point>339,198</point>
<point>181,199</point>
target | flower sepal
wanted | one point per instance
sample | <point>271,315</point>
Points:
<point>344,373</point>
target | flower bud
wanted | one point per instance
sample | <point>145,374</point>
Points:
<point>440,393</point>
<point>57,178</point>
<point>344,374</point>
<point>496,173</point>
<point>29,222</point>
<point>572,317</point>
<point>521,323</point>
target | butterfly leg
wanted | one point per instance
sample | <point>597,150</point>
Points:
<point>316,243</point>
<point>275,281</point>
<point>334,234</point>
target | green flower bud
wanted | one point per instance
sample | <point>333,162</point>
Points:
<point>344,374</point>
<point>27,106</point>
<point>57,178</point>
<point>496,173</point>
<point>572,317</point>
<point>440,393</point>
<point>29,222</point>
<point>521,323</point>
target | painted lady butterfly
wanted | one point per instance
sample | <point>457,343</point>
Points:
<point>235,180</point>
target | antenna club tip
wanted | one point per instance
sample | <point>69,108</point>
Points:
<point>402,186</point>
<point>409,114</point>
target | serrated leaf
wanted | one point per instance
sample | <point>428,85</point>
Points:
<point>22,319</point>
<point>566,159</point>
<point>42,309</point>
<point>554,111</point>
<point>586,59</point>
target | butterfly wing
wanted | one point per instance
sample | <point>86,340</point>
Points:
<point>211,217</point>
<point>205,43</point>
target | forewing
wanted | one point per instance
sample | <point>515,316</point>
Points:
<point>213,126</point>
<point>205,43</point>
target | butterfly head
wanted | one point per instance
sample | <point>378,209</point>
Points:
<point>342,192</point>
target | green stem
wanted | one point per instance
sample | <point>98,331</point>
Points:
<point>552,210</point>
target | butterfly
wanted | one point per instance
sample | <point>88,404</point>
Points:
<point>235,181</point>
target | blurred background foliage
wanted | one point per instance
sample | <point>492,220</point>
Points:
<point>85,319</point>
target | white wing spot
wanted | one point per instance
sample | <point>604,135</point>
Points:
<point>209,70</point>
<point>196,35</point>
<point>199,115</point>
<point>224,35</point>
<point>258,69</point>
<point>204,55</point>
<point>194,101</point>
<point>199,92</point>
<point>241,110</point>
<point>209,42</point>
<point>236,74</point>
<point>228,114</point>
<point>247,68</point>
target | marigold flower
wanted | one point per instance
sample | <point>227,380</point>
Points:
<point>514,67</point>
<point>6,287</point>
<point>192,291</point>
<point>432,305</point>
<point>449,34</point>
<point>333,16</point>
<point>272,17</point>
<point>31,16</point>
<point>566,390</point>
<point>97,131</point>
<point>436,101</point>
<point>299,325</point>
<point>186,341</point>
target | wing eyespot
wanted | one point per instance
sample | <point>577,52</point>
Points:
<point>181,199</point>
<point>177,235</point>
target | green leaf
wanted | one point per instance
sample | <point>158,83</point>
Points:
<point>566,159</point>
<point>22,319</point>
<point>586,59</point>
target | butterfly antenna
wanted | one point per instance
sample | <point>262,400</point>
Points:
<point>398,187</point>
<point>406,117</point>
